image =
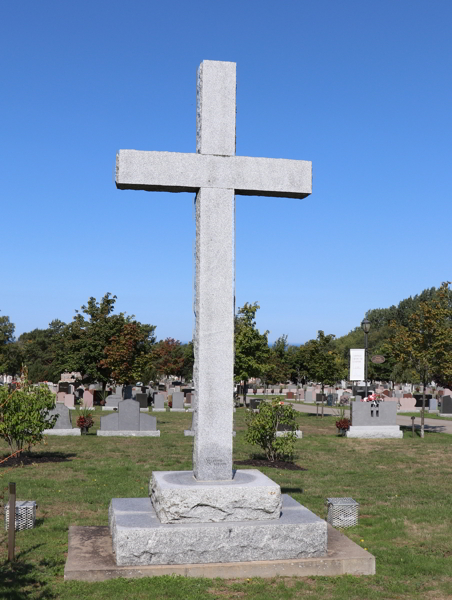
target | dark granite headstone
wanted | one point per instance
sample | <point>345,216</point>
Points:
<point>446,405</point>
<point>63,386</point>
<point>142,399</point>
<point>128,392</point>
<point>254,403</point>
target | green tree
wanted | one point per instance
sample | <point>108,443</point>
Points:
<point>42,351</point>
<point>251,346</point>
<point>10,356</point>
<point>89,334</point>
<point>278,369</point>
<point>24,415</point>
<point>322,360</point>
<point>424,344</point>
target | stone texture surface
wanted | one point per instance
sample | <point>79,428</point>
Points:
<point>177,496</point>
<point>73,431</point>
<point>128,418</point>
<point>140,539</point>
<point>151,433</point>
<point>215,108</point>
<point>386,431</point>
<point>214,334</point>
<point>90,558</point>
<point>364,414</point>
<point>64,420</point>
<point>180,172</point>
<point>298,434</point>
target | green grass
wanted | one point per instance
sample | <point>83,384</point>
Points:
<point>427,415</point>
<point>403,487</point>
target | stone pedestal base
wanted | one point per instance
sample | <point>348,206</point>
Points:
<point>298,433</point>
<point>383,431</point>
<point>128,433</point>
<point>177,409</point>
<point>178,497</point>
<point>73,431</point>
<point>159,410</point>
<point>139,538</point>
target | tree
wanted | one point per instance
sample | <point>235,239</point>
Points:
<point>24,414</point>
<point>251,346</point>
<point>127,351</point>
<point>323,362</point>
<point>10,357</point>
<point>42,351</point>
<point>168,358</point>
<point>278,369</point>
<point>85,339</point>
<point>424,344</point>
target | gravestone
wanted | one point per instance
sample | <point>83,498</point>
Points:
<point>407,404</point>
<point>63,386</point>
<point>254,404</point>
<point>128,392</point>
<point>191,432</point>
<point>128,421</point>
<point>233,515</point>
<point>60,397</point>
<point>308,397</point>
<point>69,400</point>
<point>374,420</point>
<point>63,426</point>
<point>446,405</point>
<point>290,395</point>
<point>178,402</point>
<point>283,430</point>
<point>87,399</point>
<point>159,403</point>
<point>142,400</point>
<point>433,404</point>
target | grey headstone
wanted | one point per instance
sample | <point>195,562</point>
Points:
<point>433,404</point>
<point>178,400</point>
<point>365,414</point>
<point>159,401</point>
<point>64,416</point>
<point>128,418</point>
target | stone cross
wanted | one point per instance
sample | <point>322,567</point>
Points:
<point>215,174</point>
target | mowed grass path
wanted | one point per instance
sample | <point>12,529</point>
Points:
<point>403,486</point>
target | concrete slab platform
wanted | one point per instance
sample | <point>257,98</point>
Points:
<point>90,558</point>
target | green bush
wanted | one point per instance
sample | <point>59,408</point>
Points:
<point>262,428</point>
<point>24,414</point>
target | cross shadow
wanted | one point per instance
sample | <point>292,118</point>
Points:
<point>28,458</point>
<point>291,490</point>
<point>18,577</point>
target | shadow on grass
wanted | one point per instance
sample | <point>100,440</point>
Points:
<point>20,580</point>
<point>291,490</point>
<point>428,429</point>
<point>28,458</point>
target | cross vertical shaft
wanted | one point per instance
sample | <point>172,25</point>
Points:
<point>215,280</point>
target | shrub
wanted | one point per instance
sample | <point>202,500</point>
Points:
<point>24,414</point>
<point>343,423</point>
<point>262,428</point>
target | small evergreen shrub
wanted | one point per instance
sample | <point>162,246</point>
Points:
<point>262,428</point>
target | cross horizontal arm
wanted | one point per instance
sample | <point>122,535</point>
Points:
<point>179,172</point>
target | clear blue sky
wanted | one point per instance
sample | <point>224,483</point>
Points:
<point>363,89</point>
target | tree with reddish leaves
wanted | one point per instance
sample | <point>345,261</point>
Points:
<point>127,352</point>
<point>168,357</point>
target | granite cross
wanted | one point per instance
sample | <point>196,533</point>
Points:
<point>215,174</point>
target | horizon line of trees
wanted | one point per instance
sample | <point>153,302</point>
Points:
<point>415,337</point>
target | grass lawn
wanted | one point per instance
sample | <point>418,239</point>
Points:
<point>403,486</point>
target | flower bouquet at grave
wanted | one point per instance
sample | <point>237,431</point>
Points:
<point>343,424</point>
<point>85,420</point>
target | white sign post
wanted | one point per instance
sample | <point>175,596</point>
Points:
<point>357,358</point>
